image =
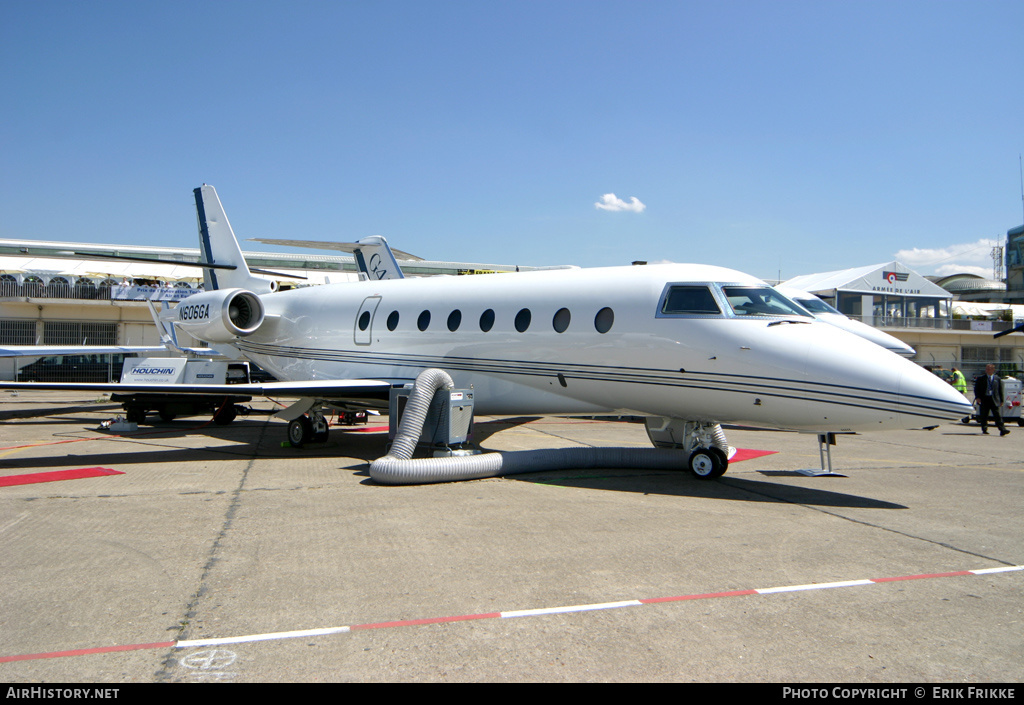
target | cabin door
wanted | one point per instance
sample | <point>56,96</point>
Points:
<point>364,320</point>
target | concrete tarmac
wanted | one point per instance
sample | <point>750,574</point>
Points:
<point>302,569</point>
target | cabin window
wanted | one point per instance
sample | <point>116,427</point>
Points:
<point>523,320</point>
<point>561,320</point>
<point>487,320</point>
<point>423,321</point>
<point>760,301</point>
<point>364,320</point>
<point>454,320</point>
<point>393,320</point>
<point>604,319</point>
<point>693,300</point>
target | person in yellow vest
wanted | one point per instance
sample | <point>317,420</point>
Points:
<point>958,381</point>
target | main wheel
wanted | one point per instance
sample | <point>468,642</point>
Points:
<point>225,415</point>
<point>708,463</point>
<point>300,431</point>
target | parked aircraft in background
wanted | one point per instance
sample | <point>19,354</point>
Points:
<point>823,312</point>
<point>687,346</point>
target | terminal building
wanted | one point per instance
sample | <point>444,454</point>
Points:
<point>1015,266</point>
<point>950,321</point>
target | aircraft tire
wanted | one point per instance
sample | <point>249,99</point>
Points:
<point>225,416</point>
<point>135,414</point>
<point>300,431</point>
<point>166,415</point>
<point>708,463</point>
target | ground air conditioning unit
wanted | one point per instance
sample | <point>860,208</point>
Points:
<point>449,419</point>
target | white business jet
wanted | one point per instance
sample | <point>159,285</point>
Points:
<point>823,312</point>
<point>687,346</point>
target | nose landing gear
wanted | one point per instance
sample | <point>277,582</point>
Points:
<point>709,451</point>
<point>708,463</point>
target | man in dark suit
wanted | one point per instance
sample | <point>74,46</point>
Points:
<point>988,392</point>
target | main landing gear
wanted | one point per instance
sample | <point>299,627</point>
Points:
<point>308,428</point>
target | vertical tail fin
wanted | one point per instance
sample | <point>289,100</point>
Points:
<point>218,245</point>
<point>375,259</point>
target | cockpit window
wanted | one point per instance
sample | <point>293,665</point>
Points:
<point>694,300</point>
<point>760,301</point>
<point>816,305</point>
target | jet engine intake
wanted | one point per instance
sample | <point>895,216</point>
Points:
<point>220,316</point>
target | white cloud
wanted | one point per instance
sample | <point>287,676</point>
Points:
<point>611,202</point>
<point>947,269</point>
<point>975,253</point>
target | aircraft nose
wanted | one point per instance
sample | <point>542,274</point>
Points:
<point>871,388</point>
<point>925,398</point>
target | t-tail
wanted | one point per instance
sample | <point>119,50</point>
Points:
<point>375,259</point>
<point>219,246</point>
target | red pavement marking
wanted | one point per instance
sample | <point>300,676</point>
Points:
<point>83,652</point>
<point>488,615</point>
<point>55,476</point>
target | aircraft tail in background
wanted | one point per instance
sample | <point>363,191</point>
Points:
<point>375,259</point>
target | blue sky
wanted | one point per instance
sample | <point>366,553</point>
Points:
<point>773,137</point>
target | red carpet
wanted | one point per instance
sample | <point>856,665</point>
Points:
<point>78,474</point>
<point>749,454</point>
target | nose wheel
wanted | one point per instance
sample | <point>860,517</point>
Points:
<point>708,463</point>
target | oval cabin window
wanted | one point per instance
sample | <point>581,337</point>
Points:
<point>454,320</point>
<point>523,320</point>
<point>487,320</point>
<point>561,320</point>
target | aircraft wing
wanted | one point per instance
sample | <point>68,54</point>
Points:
<point>331,390</point>
<point>45,350</point>
<point>349,247</point>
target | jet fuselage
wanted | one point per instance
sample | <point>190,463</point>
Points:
<point>607,340</point>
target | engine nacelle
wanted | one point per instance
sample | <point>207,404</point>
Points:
<point>220,316</point>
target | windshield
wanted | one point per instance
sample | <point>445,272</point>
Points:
<point>816,305</point>
<point>760,301</point>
